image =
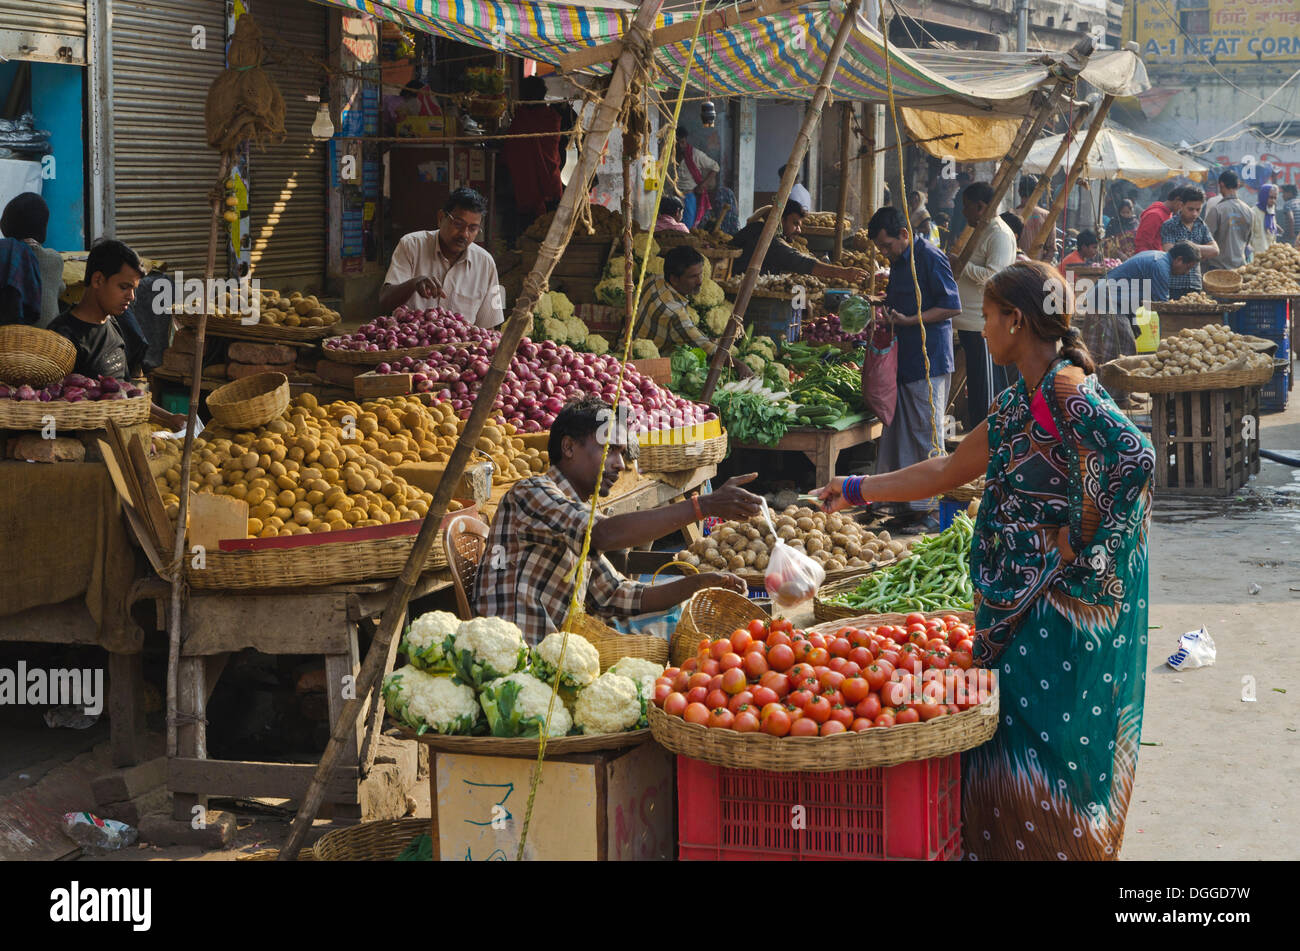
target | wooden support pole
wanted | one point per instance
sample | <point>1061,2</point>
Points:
<point>811,118</point>
<point>846,140</point>
<point>1049,225</point>
<point>1045,179</point>
<point>636,46</point>
<point>870,115</point>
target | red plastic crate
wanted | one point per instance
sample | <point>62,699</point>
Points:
<point>909,811</point>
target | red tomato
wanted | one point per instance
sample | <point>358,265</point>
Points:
<point>778,682</point>
<point>716,698</point>
<point>966,644</point>
<point>953,708</point>
<point>907,716</point>
<point>935,626</point>
<point>855,689</point>
<point>742,699</point>
<point>781,657</point>
<point>803,727</point>
<point>745,722</point>
<point>818,708</point>
<point>934,691</point>
<point>817,639</point>
<point>730,661</point>
<point>929,711</point>
<point>801,673</point>
<point>911,663</point>
<point>894,693</point>
<point>850,669</point>
<point>696,713</point>
<point>858,637</point>
<point>842,713</point>
<point>950,620</point>
<point>767,710</point>
<point>931,673</point>
<point>710,667</point>
<point>915,617</point>
<point>719,647</point>
<point>697,694</point>
<point>741,641</point>
<point>721,718</point>
<point>756,664</point>
<point>869,706</point>
<point>800,697</point>
<point>832,695</point>
<point>837,664</point>
<point>776,723</point>
<point>675,704</point>
<point>661,693</point>
<point>758,629</point>
<point>917,638</point>
<point>833,726</point>
<point>878,674</point>
<point>763,696</point>
<point>715,683</point>
<point>935,643</point>
<point>885,719</point>
<point>733,681</point>
<point>961,659</point>
<point>698,680</point>
<point>839,647</point>
<point>860,724</point>
<point>690,664</point>
<point>888,656</point>
<point>671,672</point>
<point>680,681</point>
<point>781,624</point>
<point>819,656</point>
<point>777,638</point>
<point>801,650</point>
<point>793,712</point>
<point>937,660</point>
<point>830,680</point>
<point>862,656</point>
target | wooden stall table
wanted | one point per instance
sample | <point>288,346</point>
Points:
<point>823,446</point>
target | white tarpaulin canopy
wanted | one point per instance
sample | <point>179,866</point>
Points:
<point>1119,154</point>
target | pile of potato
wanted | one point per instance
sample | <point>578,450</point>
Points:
<point>1204,350</point>
<point>296,310</point>
<point>825,219</point>
<point>326,468</point>
<point>1276,270</point>
<point>833,541</point>
<point>1189,301</point>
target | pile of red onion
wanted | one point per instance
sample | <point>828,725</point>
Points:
<point>827,330</point>
<point>542,378</point>
<point>74,388</point>
<point>413,328</point>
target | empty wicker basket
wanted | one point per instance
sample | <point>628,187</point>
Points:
<point>34,356</point>
<point>251,402</point>
<point>1221,281</point>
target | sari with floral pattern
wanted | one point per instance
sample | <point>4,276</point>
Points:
<point>1068,640</point>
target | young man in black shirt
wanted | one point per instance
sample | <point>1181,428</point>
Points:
<point>113,272</point>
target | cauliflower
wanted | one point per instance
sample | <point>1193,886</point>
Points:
<point>544,307</point>
<point>595,343</point>
<point>764,345</point>
<point>709,295</point>
<point>517,705</point>
<point>610,291</point>
<point>708,270</point>
<point>755,362</point>
<point>428,702</point>
<point>486,648</point>
<point>425,643</point>
<point>715,319</point>
<point>643,673</point>
<point>643,349</point>
<point>776,376</point>
<point>581,659</point>
<point>614,268</point>
<point>576,330</point>
<point>554,329</point>
<point>639,243</point>
<point>610,704</point>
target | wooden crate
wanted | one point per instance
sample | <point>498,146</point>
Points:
<point>1201,440</point>
<point>617,806</point>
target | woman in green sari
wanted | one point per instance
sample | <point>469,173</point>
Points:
<point>1059,566</point>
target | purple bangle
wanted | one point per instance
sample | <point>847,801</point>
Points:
<point>852,490</point>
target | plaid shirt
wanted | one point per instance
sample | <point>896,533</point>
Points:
<point>1173,231</point>
<point>533,545</point>
<point>665,317</point>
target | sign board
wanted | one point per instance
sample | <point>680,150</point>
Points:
<point>1186,33</point>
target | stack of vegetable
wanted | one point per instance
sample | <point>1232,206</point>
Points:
<point>74,388</point>
<point>690,365</point>
<point>828,392</point>
<point>935,577</point>
<point>1275,270</point>
<point>768,677</point>
<point>479,677</point>
<point>834,541</point>
<point>554,319</point>
<point>754,414</point>
<point>1205,350</point>
<point>412,328</point>
<point>827,330</point>
<point>802,356</point>
<point>611,288</point>
<point>293,310</point>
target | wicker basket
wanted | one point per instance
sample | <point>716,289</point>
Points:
<point>370,359</point>
<point>87,414</point>
<point>968,492</point>
<point>273,333</point>
<point>880,746</point>
<point>270,855</point>
<point>711,613</point>
<point>1118,374</point>
<point>371,841</point>
<point>251,402</point>
<point>682,457</point>
<point>1221,281</point>
<point>33,356</point>
<point>613,646</point>
<point>311,565</point>
<point>526,747</point>
<point>823,610</point>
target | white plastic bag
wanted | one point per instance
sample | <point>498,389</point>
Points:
<point>1195,649</point>
<point>792,577</point>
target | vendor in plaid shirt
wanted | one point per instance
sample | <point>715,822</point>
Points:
<point>538,530</point>
<point>665,315</point>
<point>1187,226</point>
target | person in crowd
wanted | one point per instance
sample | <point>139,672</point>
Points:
<point>697,177</point>
<point>1188,227</point>
<point>957,219</point>
<point>1229,221</point>
<point>527,576</point>
<point>25,219</point>
<point>1289,214</point>
<point>782,257</point>
<point>1124,222</point>
<point>1153,218</point>
<point>534,163</point>
<point>1034,219</point>
<point>1059,560</point>
<point>445,268</point>
<point>943,223</point>
<point>922,222</point>
<point>665,314</point>
<point>1017,226</point>
<point>799,193</point>
<point>995,249</point>
<point>922,397</point>
<point>671,210</point>
<point>1264,228</point>
<point>1087,251</point>
<point>107,345</point>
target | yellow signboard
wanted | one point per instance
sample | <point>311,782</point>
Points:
<point>1187,33</point>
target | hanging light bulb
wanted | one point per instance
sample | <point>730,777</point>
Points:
<point>708,113</point>
<point>322,127</point>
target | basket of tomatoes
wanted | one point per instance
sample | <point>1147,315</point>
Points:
<point>871,691</point>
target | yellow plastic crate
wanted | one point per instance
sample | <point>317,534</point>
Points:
<point>682,434</point>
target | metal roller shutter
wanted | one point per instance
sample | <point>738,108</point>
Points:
<point>287,202</point>
<point>162,167</point>
<point>39,29</point>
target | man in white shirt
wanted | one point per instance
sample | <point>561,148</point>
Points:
<point>697,177</point>
<point>995,250</point>
<point>1229,222</point>
<point>445,268</point>
<point>799,193</point>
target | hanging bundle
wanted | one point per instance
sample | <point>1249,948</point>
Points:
<point>244,103</point>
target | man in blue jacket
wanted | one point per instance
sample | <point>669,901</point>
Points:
<point>917,427</point>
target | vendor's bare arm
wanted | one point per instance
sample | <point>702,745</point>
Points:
<point>641,528</point>
<point>661,597</point>
<point>394,295</point>
<point>830,271</point>
<point>923,480</point>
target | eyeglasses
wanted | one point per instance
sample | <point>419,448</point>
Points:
<point>460,224</point>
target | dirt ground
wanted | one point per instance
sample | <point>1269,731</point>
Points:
<point>1216,774</point>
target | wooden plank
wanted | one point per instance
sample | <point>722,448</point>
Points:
<point>363,606</point>
<point>640,805</point>
<point>1195,430</point>
<point>1160,438</point>
<point>272,624</point>
<point>340,677</point>
<point>221,777</point>
<point>125,716</point>
<point>190,741</point>
<point>153,511</point>
<point>1180,428</point>
<point>1223,468</point>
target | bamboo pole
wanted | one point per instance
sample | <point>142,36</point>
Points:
<point>811,118</point>
<point>636,46</point>
<point>1049,224</point>
<point>846,138</point>
<point>1045,178</point>
<point>869,166</point>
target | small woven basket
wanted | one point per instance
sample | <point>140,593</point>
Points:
<point>711,613</point>
<point>682,457</point>
<point>251,402</point>
<point>1221,281</point>
<point>33,356</point>
<point>613,646</point>
<point>370,841</point>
